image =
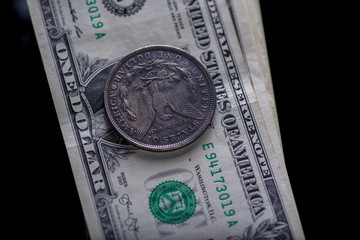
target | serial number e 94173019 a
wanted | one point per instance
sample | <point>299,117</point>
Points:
<point>220,183</point>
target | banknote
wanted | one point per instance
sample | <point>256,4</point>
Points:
<point>251,37</point>
<point>228,184</point>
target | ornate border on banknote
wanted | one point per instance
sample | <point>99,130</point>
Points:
<point>248,119</point>
<point>92,148</point>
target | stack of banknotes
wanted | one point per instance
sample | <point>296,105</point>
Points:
<point>230,181</point>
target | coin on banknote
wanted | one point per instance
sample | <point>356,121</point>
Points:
<point>159,98</point>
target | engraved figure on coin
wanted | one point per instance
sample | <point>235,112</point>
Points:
<point>159,98</point>
<point>160,94</point>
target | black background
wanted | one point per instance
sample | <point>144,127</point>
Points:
<point>42,196</point>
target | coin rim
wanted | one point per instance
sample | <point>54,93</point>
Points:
<point>172,146</point>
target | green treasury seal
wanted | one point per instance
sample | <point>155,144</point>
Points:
<point>172,202</point>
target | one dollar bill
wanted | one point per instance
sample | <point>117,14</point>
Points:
<point>228,184</point>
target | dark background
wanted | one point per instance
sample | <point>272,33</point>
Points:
<point>39,174</point>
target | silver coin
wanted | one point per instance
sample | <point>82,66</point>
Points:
<point>159,98</point>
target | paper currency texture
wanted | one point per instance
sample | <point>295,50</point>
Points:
<point>228,184</point>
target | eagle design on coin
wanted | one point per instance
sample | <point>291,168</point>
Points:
<point>159,98</point>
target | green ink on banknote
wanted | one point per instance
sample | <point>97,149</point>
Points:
<point>220,183</point>
<point>172,202</point>
<point>95,17</point>
<point>99,35</point>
